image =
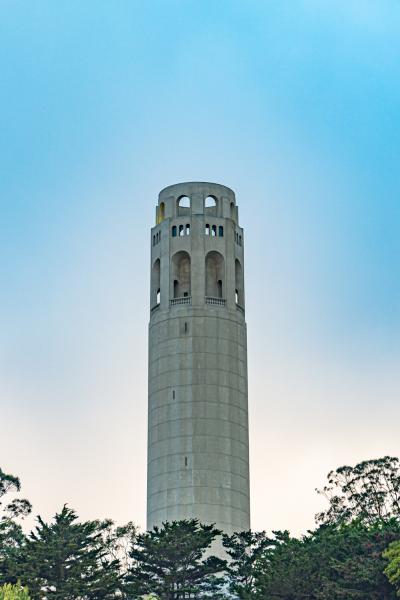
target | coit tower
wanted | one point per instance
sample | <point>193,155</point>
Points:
<point>198,441</point>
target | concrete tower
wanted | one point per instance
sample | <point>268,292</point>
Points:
<point>198,461</point>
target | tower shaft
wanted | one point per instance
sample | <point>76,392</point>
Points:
<point>198,463</point>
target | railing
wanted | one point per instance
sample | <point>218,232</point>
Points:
<point>240,308</point>
<point>181,300</point>
<point>215,301</point>
<point>154,308</point>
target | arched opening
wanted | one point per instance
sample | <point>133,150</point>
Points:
<point>239,284</point>
<point>215,275</point>
<point>154,240</point>
<point>207,231</point>
<point>155,284</point>
<point>161,213</point>
<point>233,211</point>
<point>183,206</point>
<point>174,231</point>
<point>240,240</point>
<point>188,229</point>
<point>180,270</point>
<point>181,231</point>
<point>210,201</point>
<point>214,231</point>
<point>221,231</point>
<point>211,206</point>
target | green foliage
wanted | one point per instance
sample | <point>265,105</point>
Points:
<point>169,562</point>
<point>13,592</point>
<point>67,560</point>
<point>246,551</point>
<point>353,554</point>
<point>392,571</point>
<point>369,491</point>
<point>333,562</point>
<point>11,536</point>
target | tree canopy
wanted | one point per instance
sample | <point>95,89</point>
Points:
<point>352,554</point>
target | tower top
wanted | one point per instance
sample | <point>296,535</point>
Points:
<point>196,198</point>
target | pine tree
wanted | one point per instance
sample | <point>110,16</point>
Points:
<point>170,563</point>
<point>68,560</point>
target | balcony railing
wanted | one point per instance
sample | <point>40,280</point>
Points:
<point>181,300</point>
<point>215,301</point>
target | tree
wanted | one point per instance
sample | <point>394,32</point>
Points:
<point>68,560</point>
<point>170,562</point>
<point>13,592</point>
<point>246,551</point>
<point>370,491</point>
<point>392,571</point>
<point>11,534</point>
<point>331,563</point>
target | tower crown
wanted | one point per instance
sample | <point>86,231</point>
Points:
<point>197,249</point>
<point>196,198</point>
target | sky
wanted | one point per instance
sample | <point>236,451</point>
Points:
<point>294,105</point>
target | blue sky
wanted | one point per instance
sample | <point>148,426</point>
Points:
<point>292,104</point>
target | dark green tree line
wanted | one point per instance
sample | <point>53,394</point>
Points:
<point>352,554</point>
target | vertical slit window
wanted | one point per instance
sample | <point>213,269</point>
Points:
<point>221,231</point>
<point>181,231</point>
<point>207,229</point>
<point>174,231</point>
<point>214,230</point>
<point>188,229</point>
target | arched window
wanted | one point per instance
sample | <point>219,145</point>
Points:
<point>174,231</point>
<point>233,211</point>
<point>240,240</point>
<point>155,284</point>
<point>215,275</point>
<point>159,236</point>
<point>239,284</point>
<point>183,206</point>
<point>161,213</point>
<point>221,231</point>
<point>154,240</point>
<point>180,270</point>
<point>214,231</point>
<point>210,201</point>
<point>181,231</point>
<point>211,206</point>
<point>188,229</point>
<point>207,229</point>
